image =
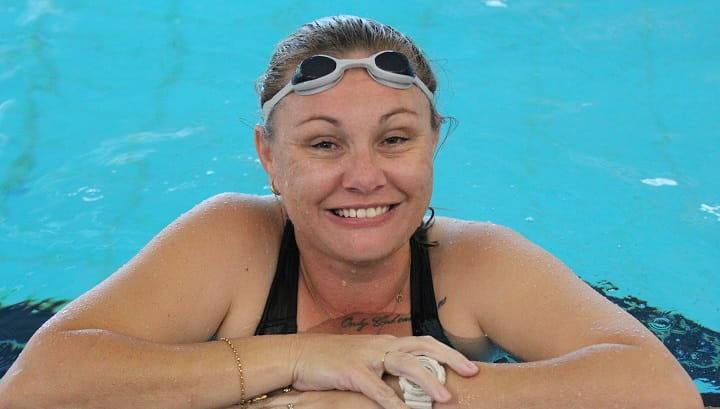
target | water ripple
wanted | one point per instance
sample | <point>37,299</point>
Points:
<point>88,194</point>
<point>713,210</point>
<point>495,3</point>
<point>37,9</point>
<point>660,182</point>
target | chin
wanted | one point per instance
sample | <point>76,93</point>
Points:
<point>368,249</point>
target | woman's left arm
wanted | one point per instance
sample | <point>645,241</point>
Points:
<point>597,376</point>
<point>580,350</point>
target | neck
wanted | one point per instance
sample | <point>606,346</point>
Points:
<point>341,288</point>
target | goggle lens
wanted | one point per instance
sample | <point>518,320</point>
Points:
<point>394,62</point>
<point>313,68</point>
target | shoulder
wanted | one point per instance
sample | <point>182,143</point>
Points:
<point>481,242</point>
<point>190,273</point>
<point>184,280</point>
<point>223,232</point>
<point>499,257</point>
<point>493,258</point>
<point>478,256</point>
<point>235,207</point>
<point>227,217</point>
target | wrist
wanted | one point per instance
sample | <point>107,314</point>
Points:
<point>295,347</point>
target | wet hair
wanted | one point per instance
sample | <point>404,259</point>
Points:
<point>338,36</point>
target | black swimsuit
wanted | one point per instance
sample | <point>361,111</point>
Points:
<point>280,315</point>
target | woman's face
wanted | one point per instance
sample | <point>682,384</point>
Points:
<point>353,165</point>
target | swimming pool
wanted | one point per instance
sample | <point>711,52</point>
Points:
<point>591,130</point>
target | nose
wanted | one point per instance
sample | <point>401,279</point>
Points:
<point>363,172</point>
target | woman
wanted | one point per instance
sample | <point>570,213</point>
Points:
<point>245,295</point>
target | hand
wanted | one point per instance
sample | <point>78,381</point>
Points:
<point>357,363</point>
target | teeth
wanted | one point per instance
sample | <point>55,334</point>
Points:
<point>362,213</point>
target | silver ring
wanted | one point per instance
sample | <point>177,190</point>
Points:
<point>290,406</point>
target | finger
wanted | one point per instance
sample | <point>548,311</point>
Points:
<point>407,366</point>
<point>376,389</point>
<point>442,353</point>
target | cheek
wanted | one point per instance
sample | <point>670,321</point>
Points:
<point>427,172</point>
<point>427,184</point>
<point>285,167</point>
<point>299,178</point>
<point>417,176</point>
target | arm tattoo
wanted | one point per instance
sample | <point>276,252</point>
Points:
<point>442,302</point>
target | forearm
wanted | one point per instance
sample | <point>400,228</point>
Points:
<point>95,368</point>
<point>599,376</point>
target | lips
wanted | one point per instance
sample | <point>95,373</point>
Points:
<point>362,213</point>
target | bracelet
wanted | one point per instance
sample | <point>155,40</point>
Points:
<point>243,404</point>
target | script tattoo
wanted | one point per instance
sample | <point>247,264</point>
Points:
<point>349,322</point>
<point>388,319</point>
<point>359,324</point>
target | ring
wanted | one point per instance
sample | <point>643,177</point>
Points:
<point>290,406</point>
<point>382,361</point>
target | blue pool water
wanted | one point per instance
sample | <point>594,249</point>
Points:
<point>590,127</point>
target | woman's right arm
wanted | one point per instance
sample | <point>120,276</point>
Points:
<point>139,338</point>
<point>100,368</point>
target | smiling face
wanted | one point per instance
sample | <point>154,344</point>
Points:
<point>354,166</point>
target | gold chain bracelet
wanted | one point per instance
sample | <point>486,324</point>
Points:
<point>243,404</point>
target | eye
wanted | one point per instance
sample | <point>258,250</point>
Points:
<point>395,140</point>
<point>324,145</point>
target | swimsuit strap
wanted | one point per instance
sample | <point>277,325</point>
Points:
<point>423,309</point>
<point>280,315</point>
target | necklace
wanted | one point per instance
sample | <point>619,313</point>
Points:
<point>398,297</point>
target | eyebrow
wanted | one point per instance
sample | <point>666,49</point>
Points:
<point>332,120</point>
<point>397,111</point>
<point>336,122</point>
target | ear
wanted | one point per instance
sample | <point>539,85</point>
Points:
<point>436,138</point>
<point>435,141</point>
<point>262,147</point>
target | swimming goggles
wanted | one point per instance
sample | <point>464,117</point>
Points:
<point>320,72</point>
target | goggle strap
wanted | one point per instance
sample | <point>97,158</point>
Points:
<point>417,81</point>
<point>270,103</point>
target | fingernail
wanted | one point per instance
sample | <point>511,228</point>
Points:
<point>470,365</point>
<point>444,395</point>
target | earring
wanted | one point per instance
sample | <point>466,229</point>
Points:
<point>273,189</point>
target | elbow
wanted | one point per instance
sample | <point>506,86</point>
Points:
<point>666,384</point>
<point>681,395</point>
<point>674,389</point>
<point>658,380</point>
<point>688,399</point>
<point>20,389</point>
<point>14,393</point>
<point>27,384</point>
